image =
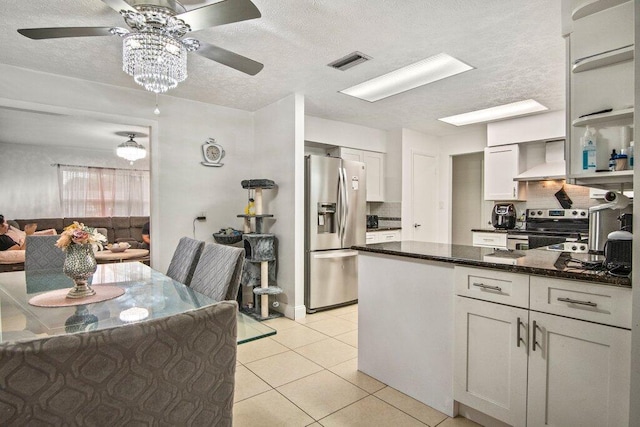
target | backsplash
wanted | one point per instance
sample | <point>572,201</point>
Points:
<point>389,213</point>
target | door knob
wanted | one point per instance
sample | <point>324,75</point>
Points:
<point>416,225</point>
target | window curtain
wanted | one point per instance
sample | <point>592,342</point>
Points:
<point>103,192</point>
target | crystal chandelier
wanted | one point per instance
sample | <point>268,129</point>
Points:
<point>131,150</point>
<point>156,61</point>
<point>156,54</point>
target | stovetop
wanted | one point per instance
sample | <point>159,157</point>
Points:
<point>557,214</point>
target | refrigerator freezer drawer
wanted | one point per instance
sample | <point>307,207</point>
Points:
<point>333,278</point>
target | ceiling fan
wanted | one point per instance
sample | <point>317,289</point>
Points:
<point>155,50</point>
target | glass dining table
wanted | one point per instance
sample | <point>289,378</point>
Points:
<point>145,291</point>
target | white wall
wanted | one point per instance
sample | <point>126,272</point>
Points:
<point>344,134</point>
<point>468,142</point>
<point>181,187</point>
<point>30,182</point>
<point>393,166</point>
<point>279,152</point>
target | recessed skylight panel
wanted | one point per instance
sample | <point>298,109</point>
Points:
<point>426,71</point>
<point>513,109</point>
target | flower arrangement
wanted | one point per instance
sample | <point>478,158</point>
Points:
<point>79,234</point>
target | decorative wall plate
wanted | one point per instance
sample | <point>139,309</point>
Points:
<point>212,152</point>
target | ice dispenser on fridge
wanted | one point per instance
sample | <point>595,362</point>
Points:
<point>326,217</point>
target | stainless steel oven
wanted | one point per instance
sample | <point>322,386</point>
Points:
<point>544,227</point>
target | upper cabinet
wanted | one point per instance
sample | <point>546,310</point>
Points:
<point>374,162</point>
<point>501,165</point>
<point>539,127</point>
<point>600,75</point>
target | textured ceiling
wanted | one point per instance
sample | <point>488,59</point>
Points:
<point>515,46</point>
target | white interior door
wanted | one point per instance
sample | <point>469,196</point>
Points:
<point>424,196</point>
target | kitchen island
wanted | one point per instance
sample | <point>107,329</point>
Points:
<point>419,326</point>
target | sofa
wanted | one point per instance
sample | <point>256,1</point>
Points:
<point>117,229</point>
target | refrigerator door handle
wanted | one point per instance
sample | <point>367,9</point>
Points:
<point>339,218</point>
<point>346,202</point>
<point>341,254</point>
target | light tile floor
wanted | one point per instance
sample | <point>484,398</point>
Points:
<point>307,375</point>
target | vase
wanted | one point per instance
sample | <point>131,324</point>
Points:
<point>80,264</point>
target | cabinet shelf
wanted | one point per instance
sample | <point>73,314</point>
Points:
<point>626,113</point>
<point>603,59</point>
<point>611,180</point>
<point>594,6</point>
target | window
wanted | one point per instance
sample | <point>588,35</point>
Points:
<point>103,192</point>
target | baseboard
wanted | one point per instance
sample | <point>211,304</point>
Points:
<point>479,417</point>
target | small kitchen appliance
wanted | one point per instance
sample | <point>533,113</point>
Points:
<point>503,216</point>
<point>617,250</point>
<point>606,218</point>
<point>372,221</point>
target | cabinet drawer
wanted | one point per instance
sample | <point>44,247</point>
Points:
<point>371,238</point>
<point>492,285</point>
<point>490,240</point>
<point>582,300</point>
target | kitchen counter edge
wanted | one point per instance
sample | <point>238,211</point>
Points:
<point>538,266</point>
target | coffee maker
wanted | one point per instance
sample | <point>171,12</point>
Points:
<point>503,216</point>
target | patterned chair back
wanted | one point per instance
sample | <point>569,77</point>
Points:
<point>41,253</point>
<point>140,373</point>
<point>184,260</point>
<point>218,272</point>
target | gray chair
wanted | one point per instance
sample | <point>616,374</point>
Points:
<point>218,272</point>
<point>41,253</point>
<point>178,370</point>
<point>184,260</point>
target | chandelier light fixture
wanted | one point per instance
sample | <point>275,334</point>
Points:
<point>156,55</point>
<point>131,150</point>
<point>154,48</point>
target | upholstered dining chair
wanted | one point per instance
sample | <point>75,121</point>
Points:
<point>218,272</point>
<point>184,260</point>
<point>41,253</point>
<point>178,370</point>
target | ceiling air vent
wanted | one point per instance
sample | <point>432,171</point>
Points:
<point>351,60</point>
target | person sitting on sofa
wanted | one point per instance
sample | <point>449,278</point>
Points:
<point>9,244</point>
<point>146,238</point>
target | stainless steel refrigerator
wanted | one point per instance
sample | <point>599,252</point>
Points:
<point>335,220</point>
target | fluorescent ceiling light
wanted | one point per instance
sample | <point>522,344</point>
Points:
<point>428,70</point>
<point>495,113</point>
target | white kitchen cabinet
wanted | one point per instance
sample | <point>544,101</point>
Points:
<point>490,364</point>
<point>502,164</point>
<point>539,127</point>
<point>487,239</point>
<point>374,162</point>
<point>578,373</point>
<point>384,236</point>
<point>542,361</point>
<point>600,57</point>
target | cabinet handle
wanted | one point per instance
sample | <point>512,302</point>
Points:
<point>518,336</point>
<point>514,191</point>
<point>575,301</point>
<point>483,286</point>
<point>535,327</point>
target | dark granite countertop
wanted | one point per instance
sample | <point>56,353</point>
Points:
<point>540,262</point>
<point>383,229</point>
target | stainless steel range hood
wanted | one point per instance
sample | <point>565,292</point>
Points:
<point>554,166</point>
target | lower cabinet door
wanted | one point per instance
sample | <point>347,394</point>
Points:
<point>578,373</point>
<point>490,359</point>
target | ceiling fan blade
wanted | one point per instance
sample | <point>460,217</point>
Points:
<point>224,12</point>
<point>119,5</point>
<point>230,59</point>
<point>54,33</point>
